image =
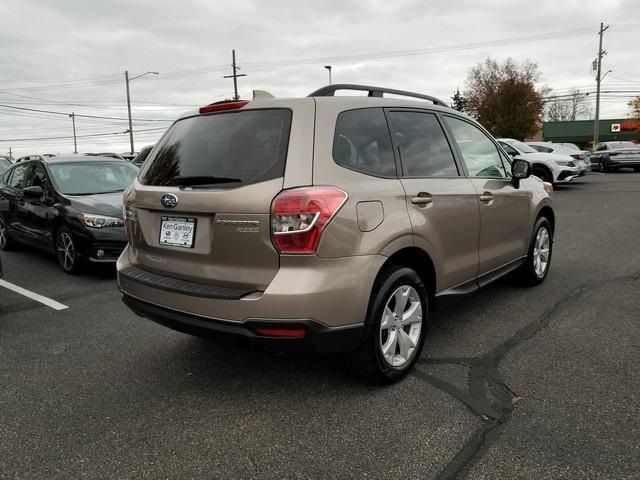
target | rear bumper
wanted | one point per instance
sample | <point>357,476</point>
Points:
<point>333,293</point>
<point>317,338</point>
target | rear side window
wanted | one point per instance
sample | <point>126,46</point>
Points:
<point>424,149</point>
<point>361,142</point>
<point>221,150</point>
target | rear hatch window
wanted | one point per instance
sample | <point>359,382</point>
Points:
<point>223,150</point>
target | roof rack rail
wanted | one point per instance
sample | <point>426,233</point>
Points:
<point>330,90</point>
<point>26,158</point>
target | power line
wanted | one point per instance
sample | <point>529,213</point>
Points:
<point>78,136</point>
<point>84,116</point>
<point>310,60</point>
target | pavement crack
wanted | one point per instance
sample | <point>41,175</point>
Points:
<point>489,397</point>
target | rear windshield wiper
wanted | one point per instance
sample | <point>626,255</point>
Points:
<point>202,181</point>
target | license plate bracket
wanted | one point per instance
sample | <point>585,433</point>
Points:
<point>177,231</point>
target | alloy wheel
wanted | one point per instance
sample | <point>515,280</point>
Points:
<point>66,251</point>
<point>400,326</point>
<point>541,250</point>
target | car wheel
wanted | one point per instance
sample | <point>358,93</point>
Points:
<point>542,174</point>
<point>536,266</point>
<point>6,242</point>
<point>636,169</point>
<point>394,329</point>
<point>67,251</point>
<point>603,166</point>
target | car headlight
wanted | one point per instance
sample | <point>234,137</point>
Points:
<point>100,221</point>
<point>567,163</point>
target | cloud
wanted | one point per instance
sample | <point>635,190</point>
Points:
<point>70,55</point>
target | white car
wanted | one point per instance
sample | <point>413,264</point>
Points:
<point>549,167</point>
<point>581,157</point>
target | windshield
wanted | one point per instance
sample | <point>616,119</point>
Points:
<point>226,150</point>
<point>93,177</point>
<point>521,147</point>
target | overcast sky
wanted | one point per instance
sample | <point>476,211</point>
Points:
<point>70,55</point>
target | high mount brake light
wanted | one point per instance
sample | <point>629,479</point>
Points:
<point>222,106</point>
<point>300,215</point>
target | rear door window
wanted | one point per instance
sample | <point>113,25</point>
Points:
<point>361,142</point>
<point>221,150</point>
<point>423,146</point>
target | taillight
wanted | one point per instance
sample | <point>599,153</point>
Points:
<point>578,156</point>
<point>299,216</point>
<point>224,105</point>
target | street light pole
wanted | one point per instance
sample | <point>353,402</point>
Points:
<point>328,67</point>
<point>127,80</point>
<point>73,119</point>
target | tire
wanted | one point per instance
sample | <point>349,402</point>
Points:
<point>534,270</point>
<point>369,361</point>
<point>6,242</point>
<point>543,174</point>
<point>636,169</point>
<point>602,168</point>
<point>67,251</point>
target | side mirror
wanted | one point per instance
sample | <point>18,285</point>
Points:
<point>33,192</point>
<point>519,169</point>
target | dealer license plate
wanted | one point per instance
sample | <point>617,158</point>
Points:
<point>177,231</point>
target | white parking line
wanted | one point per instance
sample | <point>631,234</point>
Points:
<point>33,296</point>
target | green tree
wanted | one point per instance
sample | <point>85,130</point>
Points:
<point>505,98</point>
<point>459,102</point>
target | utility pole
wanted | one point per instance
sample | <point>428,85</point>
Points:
<point>235,75</point>
<point>73,119</point>
<point>10,155</point>
<point>601,53</point>
<point>126,78</point>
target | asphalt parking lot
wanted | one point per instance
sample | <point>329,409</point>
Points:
<point>514,383</point>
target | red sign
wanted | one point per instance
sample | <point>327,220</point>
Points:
<point>630,125</point>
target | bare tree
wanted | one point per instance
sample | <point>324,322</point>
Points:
<point>571,107</point>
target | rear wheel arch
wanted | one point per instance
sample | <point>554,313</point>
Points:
<point>418,260</point>
<point>548,213</point>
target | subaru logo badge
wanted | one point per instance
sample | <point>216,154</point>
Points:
<point>169,200</point>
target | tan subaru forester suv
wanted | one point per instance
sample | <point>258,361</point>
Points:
<point>328,223</point>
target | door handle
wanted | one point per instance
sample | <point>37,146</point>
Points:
<point>486,197</point>
<point>423,198</point>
